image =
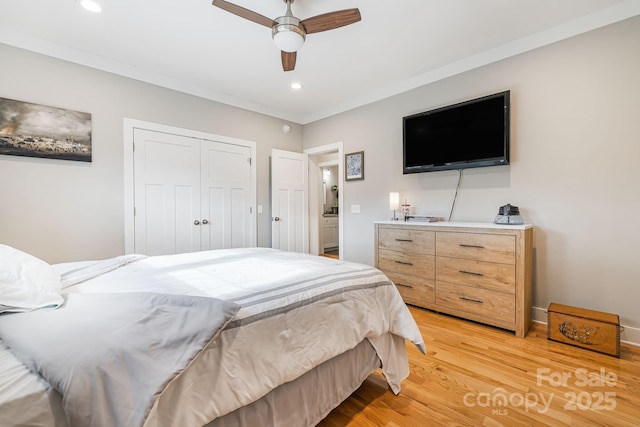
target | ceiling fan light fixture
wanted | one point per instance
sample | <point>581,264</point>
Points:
<point>91,6</point>
<point>287,34</point>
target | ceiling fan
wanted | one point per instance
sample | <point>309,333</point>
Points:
<point>289,32</point>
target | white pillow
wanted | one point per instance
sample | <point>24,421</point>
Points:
<point>26,282</point>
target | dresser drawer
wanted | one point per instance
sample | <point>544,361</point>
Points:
<point>478,272</point>
<point>407,240</point>
<point>407,263</point>
<point>413,287</point>
<point>489,304</point>
<point>486,275</point>
<point>482,247</point>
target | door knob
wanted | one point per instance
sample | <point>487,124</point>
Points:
<point>196,222</point>
<point>205,221</point>
<point>276,219</point>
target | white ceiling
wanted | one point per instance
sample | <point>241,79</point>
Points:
<point>194,47</point>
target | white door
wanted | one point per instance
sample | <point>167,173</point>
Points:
<point>290,201</point>
<point>226,196</point>
<point>167,193</point>
<point>191,194</point>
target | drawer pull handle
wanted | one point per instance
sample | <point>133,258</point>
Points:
<point>471,246</point>
<point>404,286</point>
<point>404,240</point>
<point>479,301</point>
<point>404,262</point>
<point>470,272</point>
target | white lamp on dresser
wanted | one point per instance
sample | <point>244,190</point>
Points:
<point>394,204</point>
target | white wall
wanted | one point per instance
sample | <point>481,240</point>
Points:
<point>66,211</point>
<point>575,171</point>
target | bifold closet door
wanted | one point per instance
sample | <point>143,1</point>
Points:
<point>191,194</point>
<point>226,195</point>
<point>167,193</point>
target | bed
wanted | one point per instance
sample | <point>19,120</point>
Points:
<point>220,338</point>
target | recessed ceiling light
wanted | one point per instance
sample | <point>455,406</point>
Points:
<point>91,6</point>
<point>296,85</point>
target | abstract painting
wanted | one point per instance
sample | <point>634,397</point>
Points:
<point>35,130</point>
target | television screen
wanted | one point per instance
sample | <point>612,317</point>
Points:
<point>470,134</point>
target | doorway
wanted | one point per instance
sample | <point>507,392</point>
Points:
<point>326,231</point>
<point>330,207</point>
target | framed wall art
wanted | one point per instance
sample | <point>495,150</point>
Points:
<point>36,130</point>
<point>354,166</point>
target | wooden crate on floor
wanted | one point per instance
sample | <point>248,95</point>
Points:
<point>590,329</point>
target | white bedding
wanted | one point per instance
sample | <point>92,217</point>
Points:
<point>111,354</point>
<point>26,399</point>
<point>295,314</point>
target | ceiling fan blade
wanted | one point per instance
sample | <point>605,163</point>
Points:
<point>244,13</point>
<point>331,20</point>
<point>288,60</point>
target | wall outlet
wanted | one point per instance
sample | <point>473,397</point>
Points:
<point>355,208</point>
<point>259,209</point>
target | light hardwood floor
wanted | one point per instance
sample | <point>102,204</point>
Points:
<point>476,375</point>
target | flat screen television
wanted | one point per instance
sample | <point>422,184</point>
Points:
<point>469,134</point>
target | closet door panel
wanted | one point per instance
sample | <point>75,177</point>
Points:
<point>226,190</point>
<point>166,192</point>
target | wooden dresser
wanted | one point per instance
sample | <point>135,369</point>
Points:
<point>478,271</point>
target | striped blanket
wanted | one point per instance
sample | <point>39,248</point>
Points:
<point>296,312</point>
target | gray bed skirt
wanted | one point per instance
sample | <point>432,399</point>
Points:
<point>308,399</point>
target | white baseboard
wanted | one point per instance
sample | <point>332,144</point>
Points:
<point>628,335</point>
